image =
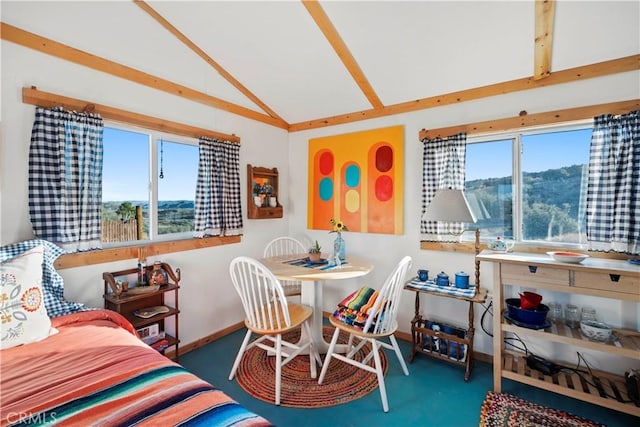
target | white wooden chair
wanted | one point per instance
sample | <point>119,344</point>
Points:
<point>287,246</point>
<point>384,314</point>
<point>269,315</point>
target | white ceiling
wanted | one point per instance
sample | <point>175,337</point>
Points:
<point>406,50</point>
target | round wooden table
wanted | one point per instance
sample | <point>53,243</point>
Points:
<point>313,279</point>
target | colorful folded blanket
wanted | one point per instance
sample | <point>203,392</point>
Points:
<point>355,309</point>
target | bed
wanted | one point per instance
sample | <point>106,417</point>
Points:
<point>90,368</point>
<point>95,371</point>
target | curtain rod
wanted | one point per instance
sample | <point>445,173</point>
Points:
<point>31,95</point>
<point>527,120</point>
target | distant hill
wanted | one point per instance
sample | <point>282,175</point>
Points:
<point>174,216</point>
<point>551,201</point>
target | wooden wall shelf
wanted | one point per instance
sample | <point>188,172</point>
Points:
<point>262,184</point>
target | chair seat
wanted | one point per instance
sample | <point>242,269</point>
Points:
<point>298,313</point>
<point>359,332</point>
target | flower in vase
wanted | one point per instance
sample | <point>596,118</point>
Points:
<point>338,226</point>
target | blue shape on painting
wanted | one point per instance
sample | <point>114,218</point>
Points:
<point>352,176</point>
<point>325,189</point>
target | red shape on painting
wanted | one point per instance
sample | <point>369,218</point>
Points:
<point>384,188</point>
<point>326,163</point>
<point>384,158</point>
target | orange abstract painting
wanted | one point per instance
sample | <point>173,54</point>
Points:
<point>358,178</point>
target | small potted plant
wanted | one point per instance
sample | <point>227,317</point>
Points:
<point>314,252</point>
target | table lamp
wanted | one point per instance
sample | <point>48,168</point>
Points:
<point>449,205</point>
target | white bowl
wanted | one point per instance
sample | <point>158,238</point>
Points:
<point>571,257</point>
<point>594,330</point>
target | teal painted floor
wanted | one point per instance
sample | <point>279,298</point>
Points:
<point>434,394</point>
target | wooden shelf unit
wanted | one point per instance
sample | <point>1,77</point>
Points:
<point>419,330</point>
<point>602,278</point>
<point>258,176</point>
<point>126,303</point>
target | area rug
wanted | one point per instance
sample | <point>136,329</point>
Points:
<point>502,409</point>
<point>342,383</point>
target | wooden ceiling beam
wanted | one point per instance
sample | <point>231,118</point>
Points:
<point>614,66</point>
<point>528,120</point>
<point>59,50</point>
<point>326,26</point>
<point>191,45</point>
<point>545,13</point>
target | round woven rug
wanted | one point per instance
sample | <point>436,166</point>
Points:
<point>342,382</point>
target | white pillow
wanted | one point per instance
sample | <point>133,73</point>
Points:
<point>23,316</point>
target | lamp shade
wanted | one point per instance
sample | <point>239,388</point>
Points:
<point>449,205</point>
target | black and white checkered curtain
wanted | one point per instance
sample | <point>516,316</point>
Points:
<point>65,178</point>
<point>443,166</point>
<point>218,208</point>
<point>613,191</point>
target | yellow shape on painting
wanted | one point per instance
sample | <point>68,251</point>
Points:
<point>352,201</point>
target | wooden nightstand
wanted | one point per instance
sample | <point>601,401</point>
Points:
<point>138,298</point>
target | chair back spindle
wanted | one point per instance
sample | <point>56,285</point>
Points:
<point>385,308</point>
<point>286,246</point>
<point>261,294</point>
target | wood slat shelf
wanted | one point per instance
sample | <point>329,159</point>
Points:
<point>571,384</point>
<point>624,342</point>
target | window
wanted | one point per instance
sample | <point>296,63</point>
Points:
<point>530,186</point>
<point>131,183</point>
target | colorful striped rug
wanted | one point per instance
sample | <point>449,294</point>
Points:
<point>506,410</point>
<point>342,383</point>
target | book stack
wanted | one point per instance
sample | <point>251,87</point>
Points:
<point>160,345</point>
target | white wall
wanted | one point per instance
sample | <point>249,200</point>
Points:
<point>208,302</point>
<point>386,250</point>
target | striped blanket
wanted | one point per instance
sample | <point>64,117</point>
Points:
<point>95,371</point>
<point>355,309</point>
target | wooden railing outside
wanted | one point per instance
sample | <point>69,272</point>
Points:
<point>119,231</point>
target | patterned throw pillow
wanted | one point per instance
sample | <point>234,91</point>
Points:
<point>23,316</point>
<point>52,283</point>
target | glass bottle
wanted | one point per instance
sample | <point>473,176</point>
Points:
<point>339,247</point>
<point>572,316</point>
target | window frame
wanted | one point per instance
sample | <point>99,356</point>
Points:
<point>152,185</point>
<point>517,174</point>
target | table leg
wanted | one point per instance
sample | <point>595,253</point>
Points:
<point>312,296</point>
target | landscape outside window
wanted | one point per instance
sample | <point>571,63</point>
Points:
<point>177,188</point>
<point>131,180</point>
<point>534,179</point>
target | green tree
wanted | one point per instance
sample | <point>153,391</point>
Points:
<point>126,211</point>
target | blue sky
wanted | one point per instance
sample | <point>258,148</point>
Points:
<point>126,165</point>
<point>540,153</point>
<point>126,168</point>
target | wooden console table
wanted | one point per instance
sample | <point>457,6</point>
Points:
<point>600,278</point>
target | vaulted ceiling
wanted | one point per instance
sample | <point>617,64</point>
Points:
<point>306,64</point>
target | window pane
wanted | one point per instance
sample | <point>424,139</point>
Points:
<point>125,184</point>
<point>488,186</point>
<point>554,171</point>
<point>178,164</point>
